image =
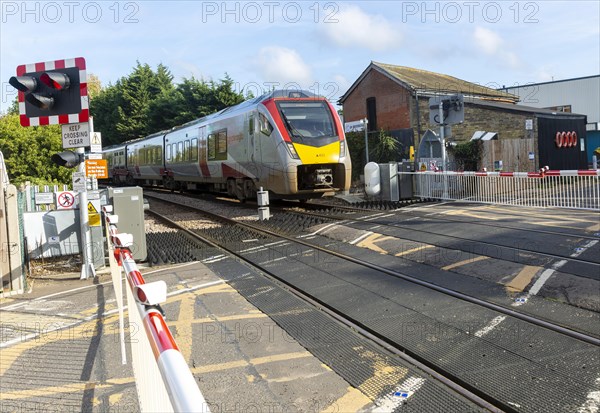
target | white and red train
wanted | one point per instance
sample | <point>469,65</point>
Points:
<point>290,143</point>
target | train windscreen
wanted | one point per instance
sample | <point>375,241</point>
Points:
<point>308,123</point>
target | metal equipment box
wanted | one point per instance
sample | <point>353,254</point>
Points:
<point>389,181</point>
<point>128,204</point>
<point>405,180</point>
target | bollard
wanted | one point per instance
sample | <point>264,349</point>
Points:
<point>262,198</point>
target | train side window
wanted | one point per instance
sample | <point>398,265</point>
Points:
<point>180,151</point>
<point>168,149</point>
<point>194,149</point>
<point>251,125</point>
<point>159,153</point>
<point>265,125</point>
<point>187,150</point>
<point>211,147</point>
<point>222,143</point>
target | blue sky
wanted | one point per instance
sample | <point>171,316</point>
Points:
<point>322,46</point>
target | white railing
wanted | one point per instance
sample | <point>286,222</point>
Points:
<point>560,189</point>
<point>163,379</point>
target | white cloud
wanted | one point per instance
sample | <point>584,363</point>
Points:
<point>492,44</point>
<point>487,40</point>
<point>355,28</point>
<point>283,65</point>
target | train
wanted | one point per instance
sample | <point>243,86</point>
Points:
<point>288,142</point>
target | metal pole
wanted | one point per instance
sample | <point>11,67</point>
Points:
<point>366,121</point>
<point>87,266</point>
<point>443,141</point>
<point>442,137</point>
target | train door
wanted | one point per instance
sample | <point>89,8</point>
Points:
<point>254,140</point>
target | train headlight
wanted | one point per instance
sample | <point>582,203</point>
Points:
<point>292,150</point>
<point>342,149</point>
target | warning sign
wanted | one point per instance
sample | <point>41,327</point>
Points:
<point>65,200</point>
<point>94,220</point>
<point>93,208</point>
<point>97,168</point>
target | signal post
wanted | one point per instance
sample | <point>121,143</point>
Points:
<point>55,93</point>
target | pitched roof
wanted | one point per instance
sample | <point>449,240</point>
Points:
<point>425,82</point>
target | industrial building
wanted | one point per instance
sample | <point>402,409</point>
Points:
<point>577,95</point>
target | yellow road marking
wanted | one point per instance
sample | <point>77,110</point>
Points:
<point>594,228</point>
<point>67,388</point>
<point>383,374</point>
<point>465,213</point>
<point>184,325</point>
<point>522,279</point>
<point>114,398</point>
<point>211,368</point>
<point>352,401</point>
<point>369,242</point>
<point>557,224</point>
<point>84,330</point>
<point>544,214</point>
<point>410,251</point>
<point>465,262</point>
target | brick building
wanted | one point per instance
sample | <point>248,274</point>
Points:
<point>396,99</point>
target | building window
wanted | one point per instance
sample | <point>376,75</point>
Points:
<point>372,114</point>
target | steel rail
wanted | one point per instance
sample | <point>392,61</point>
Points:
<point>395,349</point>
<point>456,294</point>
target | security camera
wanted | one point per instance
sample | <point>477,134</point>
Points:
<point>152,293</point>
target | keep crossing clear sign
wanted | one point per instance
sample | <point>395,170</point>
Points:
<point>76,135</point>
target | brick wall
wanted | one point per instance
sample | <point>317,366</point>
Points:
<point>393,102</point>
<point>508,124</point>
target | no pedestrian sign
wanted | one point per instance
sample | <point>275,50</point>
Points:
<point>76,135</point>
<point>65,200</point>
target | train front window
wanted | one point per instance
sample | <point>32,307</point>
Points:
<point>308,122</point>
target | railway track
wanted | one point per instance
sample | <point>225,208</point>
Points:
<point>239,239</point>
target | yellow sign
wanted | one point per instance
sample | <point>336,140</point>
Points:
<point>94,220</point>
<point>92,209</point>
<point>97,168</point>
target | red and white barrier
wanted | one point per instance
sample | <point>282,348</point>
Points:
<point>579,189</point>
<point>163,379</point>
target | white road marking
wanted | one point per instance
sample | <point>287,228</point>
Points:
<point>321,229</point>
<point>392,401</point>
<point>363,236</point>
<point>537,286</point>
<point>492,324</point>
<point>585,247</point>
<point>592,404</point>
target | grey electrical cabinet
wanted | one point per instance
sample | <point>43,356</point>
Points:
<point>405,181</point>
<point>389,181</point>
<point>128,204</point>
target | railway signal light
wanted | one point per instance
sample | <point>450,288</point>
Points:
<point>68,159</point>
<point>52,93</point>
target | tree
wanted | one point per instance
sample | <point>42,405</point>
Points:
<point>147,101</point>
<point>27,152</point>
<point>385,148</point>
